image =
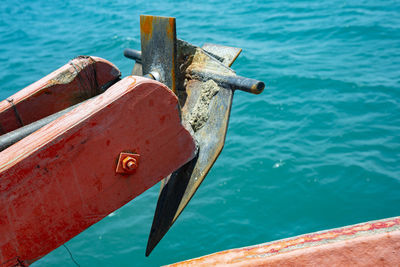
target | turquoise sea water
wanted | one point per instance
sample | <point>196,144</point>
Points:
<point>320,148</point>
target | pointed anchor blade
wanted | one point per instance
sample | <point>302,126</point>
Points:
<point>179,188</point>
<point>168,203</point>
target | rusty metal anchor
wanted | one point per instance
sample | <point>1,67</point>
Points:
<point>204,83</point>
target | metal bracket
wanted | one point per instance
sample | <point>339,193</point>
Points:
<point>127,163</point>
<point>158,41</point>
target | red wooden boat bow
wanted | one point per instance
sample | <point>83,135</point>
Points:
<point>80,143</point>
<point>62,178</point>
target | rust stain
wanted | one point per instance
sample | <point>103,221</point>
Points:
<point>173,76</point>
<point>171,28</point>
<point>254,90</point>
<point>235,57</point>
<point>146,25</point>
<point>172,34</point>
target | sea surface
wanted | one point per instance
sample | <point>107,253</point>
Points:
<point>319,148</point>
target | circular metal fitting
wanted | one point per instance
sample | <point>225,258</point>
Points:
<point>156,75</point>
<point>129,164</point>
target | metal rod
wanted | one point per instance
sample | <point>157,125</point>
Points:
<point>234,82</point>
<point>137,55</point>
<point>10,138</point>
<point>133,54</point>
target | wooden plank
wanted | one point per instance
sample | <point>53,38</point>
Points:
<point>61,179</point>
<point>74,82</point>
<point>375,243</point>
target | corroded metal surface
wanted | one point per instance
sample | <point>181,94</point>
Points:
<point>158,42</point>
<point>137,56</point>
<point>227,54</point>
<point>206,109</point>
<point>204,83</point>
<point>375,243</point>
<point>233,82</point>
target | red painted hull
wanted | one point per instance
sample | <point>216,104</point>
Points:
<point>62,178</point>
<point>374,243</point>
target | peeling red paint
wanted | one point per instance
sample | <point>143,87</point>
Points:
<point>361,244</point>
<point>59,180</point>
<point>57,91</point>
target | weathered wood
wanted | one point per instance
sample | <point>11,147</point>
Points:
<point>61,179</point>
<point>374,243</point>
<point>82,78</point>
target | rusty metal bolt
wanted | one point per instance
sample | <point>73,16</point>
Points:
<point>129,164</point>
